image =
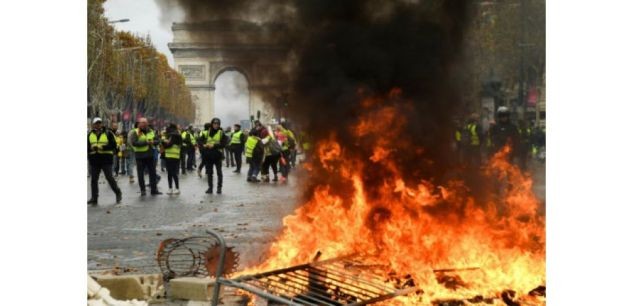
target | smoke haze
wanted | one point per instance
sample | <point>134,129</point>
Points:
<point>341,48</point>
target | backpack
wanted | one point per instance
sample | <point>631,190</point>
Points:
<point>274,146</point>
<point>292,143</point>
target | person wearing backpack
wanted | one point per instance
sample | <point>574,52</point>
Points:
<point>272,153</point>
<point>213,142</point>
<point>282,136</point>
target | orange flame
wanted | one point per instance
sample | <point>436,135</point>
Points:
<point>417,227</point>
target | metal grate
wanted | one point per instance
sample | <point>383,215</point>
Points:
<point>331,282</point>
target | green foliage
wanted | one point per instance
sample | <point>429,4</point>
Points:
<point>125,69</point>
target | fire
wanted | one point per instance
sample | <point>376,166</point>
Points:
<point>416,228</point>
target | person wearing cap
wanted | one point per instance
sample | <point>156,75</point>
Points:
<point>142,140</point>
<point>213,143</point>
<point>237,146</point>
<point>504,133</point>
<point>101,145</point>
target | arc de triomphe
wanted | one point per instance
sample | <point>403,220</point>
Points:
<point>204,50</point>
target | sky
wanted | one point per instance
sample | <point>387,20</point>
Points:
<point>145,17</point>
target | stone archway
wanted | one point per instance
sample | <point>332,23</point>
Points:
<point>204,50</point>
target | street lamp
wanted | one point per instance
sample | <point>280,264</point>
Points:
<point>119,21</point>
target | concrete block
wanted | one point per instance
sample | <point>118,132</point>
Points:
<point>129,287</point>
<point>192,288</point>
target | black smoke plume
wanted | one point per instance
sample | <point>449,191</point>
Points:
<point>343,47</point>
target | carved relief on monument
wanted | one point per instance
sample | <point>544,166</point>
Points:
<point>192,72</point>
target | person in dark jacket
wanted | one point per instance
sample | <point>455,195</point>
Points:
<point>101,146</point>
<point>212,144</point>
<point>504,133</point>
<point>172,146</point>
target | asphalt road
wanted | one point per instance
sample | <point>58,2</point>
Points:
<point>126,235</point>
<point>248,215</point>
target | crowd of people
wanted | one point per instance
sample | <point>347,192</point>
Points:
<point>270,151</point>
<point>267,149</point>
<point>471,142</point>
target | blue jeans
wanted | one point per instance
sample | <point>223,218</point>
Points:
<point>253,168</point>
<point>130,164</point>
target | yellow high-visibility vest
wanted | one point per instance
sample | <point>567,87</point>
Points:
<point>102,140</point>
<point>251,142</point>
<point>143,137</point>
<point>235,139</point>
<point>215,139</point>
<point>474,138</point>
<point>173,151</point>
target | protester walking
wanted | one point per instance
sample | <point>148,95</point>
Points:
<point>101,145</point>
<point>172,146</point>
<point>142,140</point>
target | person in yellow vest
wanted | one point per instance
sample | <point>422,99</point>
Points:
<point>254,155</point>
<point>237,146</point>
<point>457,143</point>
<point>472,137</point>
<point>282,135</point>
<point>143,140</point>
<point>212,143</point>
<point>119,160</point>
<point>292,144</point>
<point>184,136</point>
<point>201,135</point>
<point>189,148</point>
<point>172,145</point>
<point>101,145</point>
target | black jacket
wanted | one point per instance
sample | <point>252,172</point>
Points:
<point>174,139</point>
<point>505,133</point>
<point>98,158</point>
